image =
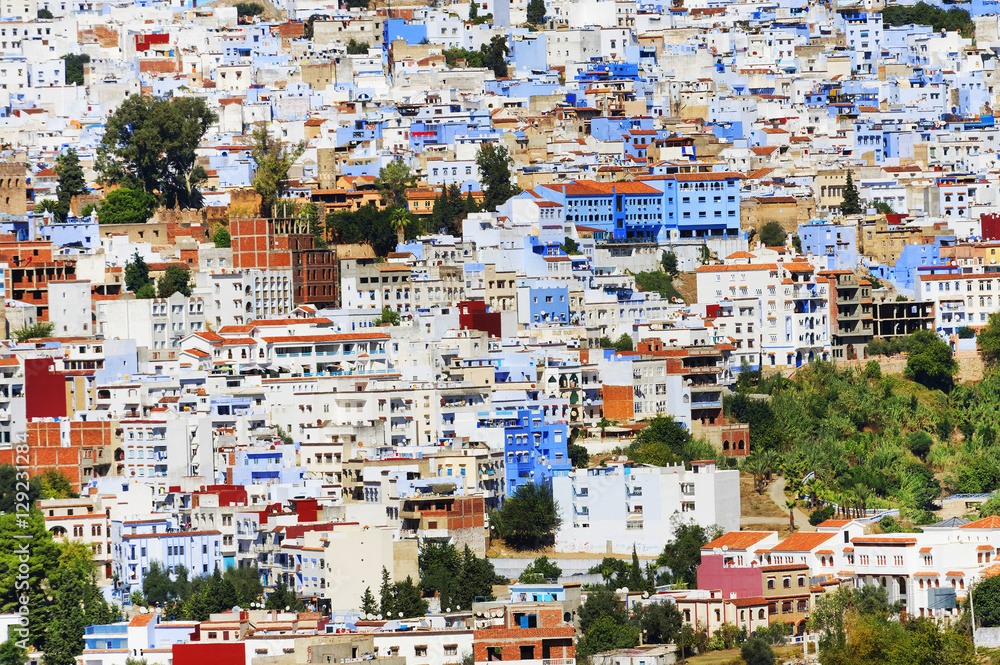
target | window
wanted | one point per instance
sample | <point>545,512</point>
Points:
<point>420,651</point>
<point>451,649</point>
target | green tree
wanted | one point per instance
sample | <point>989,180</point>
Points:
<point>494,163</point>
<point>282,597</point>
<point>986,599</point>
<point>9,490</point>
<point>614,571</point>
<point>222,238</point>
<point>540,570</point>
<point>529,516</point>
<point>930,361</point>
<point>126,206</point>
<point>246,584</point>
<point>821,515</point>
<point>71,181</point>
<point>407,602</point>
<point>74,67</point>
<point>458,577</point>
<point>314,217</point>
<point>495,54</point>
<point>388,316</point>
<point>772,234</point>
<point>355,47</point>
<point>919,443</point>
<point>88,210</point>
<point>398,222</point>
<point>392,182</point>
<point>34,331</point>
<point>248,9</point>
<point>157,587</point>
<point>175,279</point>
<point>11,653</point>
<point>850,204</point>
<point>385,594</point>
<point>536,12</point>
<point>45,14</point>
<point>988,340</point>
<point>273,160</point>
<point>883,208</point>
<point>149,144</point>
<point>664,441</point>
<point>602,602</point>
<point>473,11</point>
<point>623,343</point>
<point>606,634</point>
<point>682,554</point>
<point>368,603</point>
<point>669,262</point>
<point>756,651</point>
<point>659,623</point>
<point>578,455</point>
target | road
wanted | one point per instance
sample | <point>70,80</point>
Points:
<point>777,493</point>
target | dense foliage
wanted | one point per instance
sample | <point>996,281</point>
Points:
<point>861,626</point>
<point>459,576</point>
<point>925,14</point>
<point>665,441</point>
<point>661,282</point>
<point>773,234</point>
<point>872,440</point>
<point>369,225</point>
<point>149,145</point>
<point>528,518</point>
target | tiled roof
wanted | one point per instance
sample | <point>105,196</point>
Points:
<point>737,540</point>
<point>802,542</point>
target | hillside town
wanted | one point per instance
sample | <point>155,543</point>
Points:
<point>538,331</point>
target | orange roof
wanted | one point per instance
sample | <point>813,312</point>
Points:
<point>287,322</point>
<point>990,571</point>
<point>291,339</point>
<point>594,188</point>
<point>737,540</point>
<point>991,522</point>
<point>802,542</point>
<point>227,330</point>
<point>198,353</point>
<point>925,574</point>
<point>141,620</point>
<point>834,523</point>
<point>955,573</point>
<point>984,548</point>
<point>925,550</point>
<point>238,341</point>
<point>738,266</point>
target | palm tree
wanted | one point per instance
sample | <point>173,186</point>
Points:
<point>398,223</point>
<point>790,504</point>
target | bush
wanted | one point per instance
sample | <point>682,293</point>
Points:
<point>965,332</point>
<point>757,651</point>
<point>919,443</point>
<point>821,515</point>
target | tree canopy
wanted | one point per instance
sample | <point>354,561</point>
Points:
<point>460,577</point>
<point>149,145</point>
<point>126,206</point>
<point>273,160</point>
<point>930,361</point>
<point>494,163</point>
<point>850,204</point>
<point>528,517</point>
<point>772,234</point>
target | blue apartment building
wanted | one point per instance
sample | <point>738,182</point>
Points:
<point>535,450</point>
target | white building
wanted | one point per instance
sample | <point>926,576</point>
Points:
<point>624,505</point>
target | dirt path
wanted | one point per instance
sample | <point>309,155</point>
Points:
<point>777,493</point>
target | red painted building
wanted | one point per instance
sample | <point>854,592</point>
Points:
<point>473,315</point>
<point>216,653</point>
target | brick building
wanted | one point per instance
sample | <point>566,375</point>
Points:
<point>286,244</point>
<point>530,633</point>
<point>79,450</point>
<point>457,519</point>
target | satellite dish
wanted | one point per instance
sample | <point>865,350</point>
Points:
<point>625,589</point>
<point>379,617</point>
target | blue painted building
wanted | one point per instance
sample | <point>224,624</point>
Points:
<point>535,450</point>
<point>266,464</point>
<point>837,242</point>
